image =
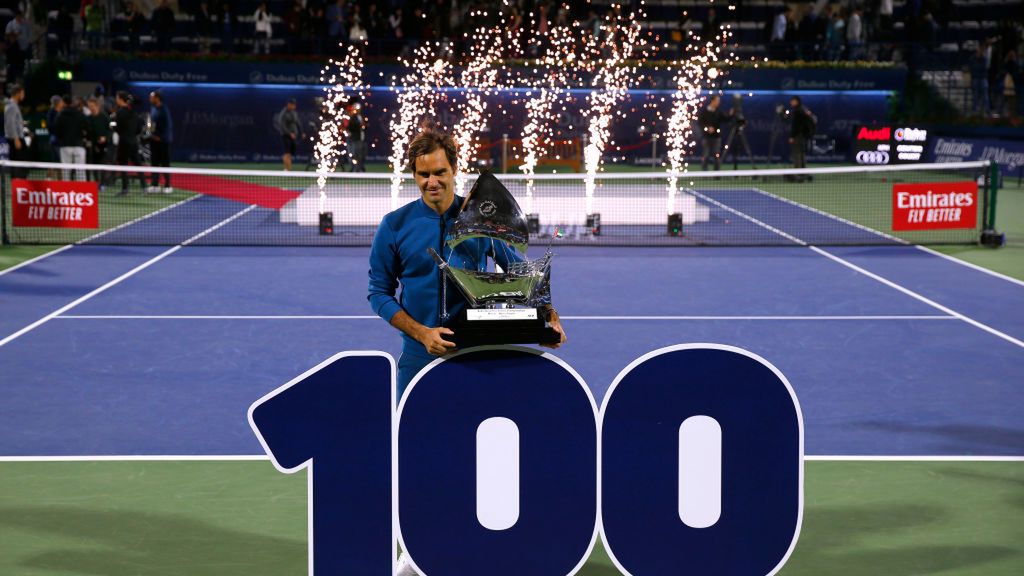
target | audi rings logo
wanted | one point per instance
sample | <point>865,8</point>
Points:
<point>872,157</point>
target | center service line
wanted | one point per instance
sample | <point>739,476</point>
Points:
<point>121,278</point>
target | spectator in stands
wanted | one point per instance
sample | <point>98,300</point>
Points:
<point>1013,69</point>
<point>160,141</point>
<point>294,23</point>
<point>978,67</point>
<point>336,15</point>
<point>855,34</point>
<point>99,138</point>
<point>94,21</point>
<point>264,29</point>
<point>62,28</point>
<point>710,28</point>
<point>355,136</point>
<point>357,33</point>
<point>203,20</point>
<point>14,128</point>
<point>316,30</point>
<point>288,125</point>
<point>162,23</point>
<point>126,124</point>
<point>71,129</point>
<point>801,130</point>
<point>395,26</point>
<point>135,22</point>
<point>884,25</point>
<point>227,25</point>
<point>780,26</point>
<point>18,41</point>
<point>835,35</point>
<point>711,119</point>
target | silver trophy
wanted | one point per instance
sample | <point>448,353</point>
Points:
<point>503,307</point>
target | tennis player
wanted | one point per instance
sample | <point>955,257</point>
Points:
<point>399,257</point>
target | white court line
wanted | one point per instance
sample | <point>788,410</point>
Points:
<point>264,457</point>
<point>655,318</point>
<point>97,235</point>
<point>871,275</point>
<point>972,266</point>
<point>894,238</point>
<point>120,278</point>
<point>36,259</point>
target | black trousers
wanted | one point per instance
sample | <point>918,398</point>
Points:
<point>711,146</point>
<point>160,155</point>
<point>129,155</point>
<point>798,151</point>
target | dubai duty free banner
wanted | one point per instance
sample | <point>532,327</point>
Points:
<point>500,459</point>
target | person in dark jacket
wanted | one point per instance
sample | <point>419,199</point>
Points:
<point>711,119</point>
<point>160,141</point>
<point>70,129</point>
<point>801,130</point>
<point>127,130</point>
<point>99,138</point>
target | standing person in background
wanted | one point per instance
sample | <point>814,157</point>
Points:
<point>355,126</point>
<point>228,26</point>
<point>71,129</point>
<point>801,130</point>
<point>14,126</point>
<point>127,130</point>
<point>56,106</point>
<point>160,141</point>
<point>99,138</point>
<point>135,22</point>
<point>264,29</point>
<point>711,119</point>
<point>94,18</point>
<point>288,126</point>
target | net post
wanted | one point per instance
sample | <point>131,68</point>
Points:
<point>989,235</point>
<point>5,171</point>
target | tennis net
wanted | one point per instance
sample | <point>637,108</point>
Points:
<point>916,204</point>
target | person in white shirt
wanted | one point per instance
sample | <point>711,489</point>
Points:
<point>855,34</point>
<point>264,29</point>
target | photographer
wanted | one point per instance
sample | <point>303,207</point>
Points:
<point>801,130</point>
<point>711,119</point>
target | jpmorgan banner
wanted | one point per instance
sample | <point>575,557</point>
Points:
<point>1008,154</point>
<point>499,460</point>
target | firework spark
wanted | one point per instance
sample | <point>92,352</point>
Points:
<point>421,89</point>
<point>343,82</point>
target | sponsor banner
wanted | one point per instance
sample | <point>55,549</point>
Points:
<point>880,145</point>
<point>200,72</point>
<point>211,126</point>
<point>1008,154</point>
<point>934,206</point>
<point>54,204</point>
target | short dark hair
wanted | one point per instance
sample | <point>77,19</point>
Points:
<point>797,98</point>
<point>125,95</point>
<point>14,89</point>
<point>430,138</point>
<point>159,95</point>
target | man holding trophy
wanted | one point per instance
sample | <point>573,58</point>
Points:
<point>437,248</point>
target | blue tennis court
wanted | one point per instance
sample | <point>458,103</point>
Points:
<point>892,350</point>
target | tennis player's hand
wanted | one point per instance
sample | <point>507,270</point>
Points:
<point>555,324</point>
<point>433,340</point>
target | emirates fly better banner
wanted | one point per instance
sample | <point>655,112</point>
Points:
<point>934,206</point>
<point>55,204</point>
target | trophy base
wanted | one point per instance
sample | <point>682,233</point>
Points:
<point>479,327</point>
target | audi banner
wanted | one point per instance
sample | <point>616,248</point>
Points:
<point>934,206</point>
<point>881,145</point>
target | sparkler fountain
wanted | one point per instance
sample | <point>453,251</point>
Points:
<point>343,81</point>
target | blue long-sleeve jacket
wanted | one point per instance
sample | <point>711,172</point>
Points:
<point>162,126</point>
<point>399,257</point>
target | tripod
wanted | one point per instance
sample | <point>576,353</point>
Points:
<point>739,129</point>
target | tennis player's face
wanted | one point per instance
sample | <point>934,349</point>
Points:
<point>434,177</point>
